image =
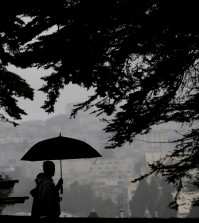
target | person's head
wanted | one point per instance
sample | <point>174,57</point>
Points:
<point>39,177</point>
<point>49,168</point>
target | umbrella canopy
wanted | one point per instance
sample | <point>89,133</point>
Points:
<point>60,148</point>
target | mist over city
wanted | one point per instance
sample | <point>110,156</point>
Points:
<point>102,184</point>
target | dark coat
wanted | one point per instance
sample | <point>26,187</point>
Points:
<point>46,200</point>
<point>35,194</point>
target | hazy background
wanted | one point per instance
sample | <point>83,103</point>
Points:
<point>104,183</point>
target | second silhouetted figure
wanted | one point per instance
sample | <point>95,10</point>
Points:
<point>47,193</point>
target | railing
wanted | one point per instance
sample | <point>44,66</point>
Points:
<point>12,200</point>
<point>6,185</point>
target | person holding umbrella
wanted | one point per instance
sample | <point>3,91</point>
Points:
<point>58,148</point>
<point>48,199</point>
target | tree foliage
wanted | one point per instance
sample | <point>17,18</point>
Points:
<point>154,196</point>
<point>138,203</point>
<point>12,86</point>
<point>81,198</point>
<point>140,57</point>
<point>164,198</point>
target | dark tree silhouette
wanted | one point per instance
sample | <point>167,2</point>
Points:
<point>12,86</point>
<point>138,203</point>
<point>163,198</point>
<point>140,57</point>
<point>81,198</point>
<point>154,195</point>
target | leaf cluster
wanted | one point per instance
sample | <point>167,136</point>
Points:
<point>12,86</point>
<point>143,71</point>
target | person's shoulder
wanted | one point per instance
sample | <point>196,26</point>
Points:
<point>47,180</point>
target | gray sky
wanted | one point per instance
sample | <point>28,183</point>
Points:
<point>71,93</point>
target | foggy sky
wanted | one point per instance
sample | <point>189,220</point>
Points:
<point>70,94</point>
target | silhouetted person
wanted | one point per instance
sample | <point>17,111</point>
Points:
<point>48,193</point>
<point>35,194</point>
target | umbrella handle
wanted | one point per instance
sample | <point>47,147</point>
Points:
<point>61,189</point>
<point>61,168</point>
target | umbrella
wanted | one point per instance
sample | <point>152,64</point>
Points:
<point>59,148</point>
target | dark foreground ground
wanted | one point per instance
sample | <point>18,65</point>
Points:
<point>28,219</point>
